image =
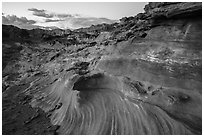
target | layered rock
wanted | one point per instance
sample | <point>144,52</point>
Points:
<point>139,76</point>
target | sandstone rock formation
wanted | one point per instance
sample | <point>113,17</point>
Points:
<point>139,76</point>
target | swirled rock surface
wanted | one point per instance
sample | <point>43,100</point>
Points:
<point>142,75</point>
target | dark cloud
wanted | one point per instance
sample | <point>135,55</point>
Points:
<point>21,22</point>
<point>36,10</point>
<point>40,13</point>
<point>43,13</point>
<point>52,20</point>
<point>64,15</point>
<point>10,19</point>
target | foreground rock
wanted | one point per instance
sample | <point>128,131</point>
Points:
<point>139,76</point>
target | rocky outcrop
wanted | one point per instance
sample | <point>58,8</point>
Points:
<point>172,9</point>
<point>139,76</point>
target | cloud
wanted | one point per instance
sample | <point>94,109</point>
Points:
<point>75,23</point>
<point>10,19</point>
<point>36,10</point>
<point>46,14</point>
<point>21,22</point>
<point>63,15</point>
<point>68,21</point>
<point>53,20</point>
<point>40,13</point>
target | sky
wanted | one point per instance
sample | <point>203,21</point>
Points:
<point>67,15</point>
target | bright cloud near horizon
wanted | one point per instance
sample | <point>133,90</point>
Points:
<point>67,15</point>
